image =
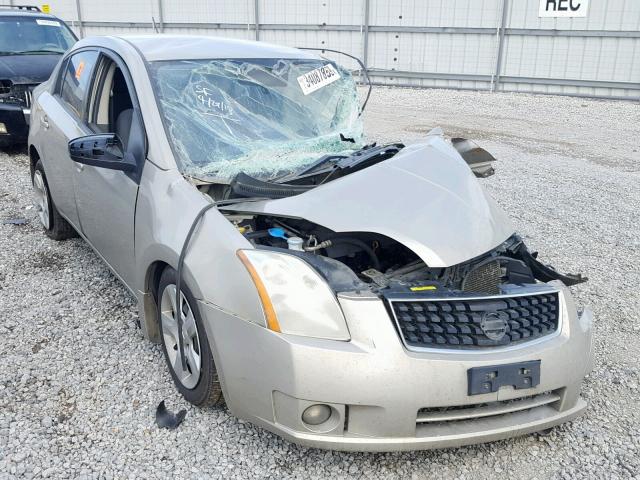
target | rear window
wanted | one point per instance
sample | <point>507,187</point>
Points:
<point>32,36</point>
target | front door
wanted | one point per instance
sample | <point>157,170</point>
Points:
<point>62,118</point>
<point>106,199</point>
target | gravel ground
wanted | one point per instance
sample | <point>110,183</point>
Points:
<point>79,385</point>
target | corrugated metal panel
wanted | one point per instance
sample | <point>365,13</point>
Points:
<point>350,42</point>
<point>436,13</point>
<point>240,33</point>
<point>112,11</point>
<point>429,43</point>
<point>63,8</point>
<point>311,12</point>
<point>432,52</point>
<point>91,31</point>
<point>206,11</point>
<point>602,15</point>
<point>584,58</point>
<point>597,58</point>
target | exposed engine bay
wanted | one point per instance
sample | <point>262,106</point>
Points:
<point>379,263</point>
<point>369,260</point>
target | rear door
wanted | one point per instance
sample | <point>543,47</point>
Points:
<point>62,120</point>
<point>106,198</point>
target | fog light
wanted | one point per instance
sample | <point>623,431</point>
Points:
<point>3,128</point>
<point>316,414</point>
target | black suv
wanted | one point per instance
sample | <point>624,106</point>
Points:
<point>31,43</point>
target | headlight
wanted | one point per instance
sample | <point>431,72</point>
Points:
<point>295,299</point>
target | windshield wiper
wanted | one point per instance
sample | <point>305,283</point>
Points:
<point>38,52</point>
<point>334,166</point>
<point>321,163</point>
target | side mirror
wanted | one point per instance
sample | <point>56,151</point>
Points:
<point>103,150</point>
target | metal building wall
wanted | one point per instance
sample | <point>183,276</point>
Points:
<point>497,45</point>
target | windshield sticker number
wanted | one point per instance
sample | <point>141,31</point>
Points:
<point>48,23</point>
<point>318,78</point>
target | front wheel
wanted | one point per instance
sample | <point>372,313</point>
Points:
<point>198,381</point>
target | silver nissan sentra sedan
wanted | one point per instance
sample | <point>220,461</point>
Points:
<point>340,293</point>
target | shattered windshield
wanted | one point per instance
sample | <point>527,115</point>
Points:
<point>263,117</point>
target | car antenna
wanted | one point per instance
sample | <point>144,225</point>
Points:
<point>153,22</point>
<point>363,70</point>
<point>180,266</point>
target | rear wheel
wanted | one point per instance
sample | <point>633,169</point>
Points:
<point>54,225</point>
<point>198,381</point>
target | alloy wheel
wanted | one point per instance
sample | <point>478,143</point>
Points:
<point>41,198</point>
<point>190,375</point>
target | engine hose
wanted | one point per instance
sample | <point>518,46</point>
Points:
<point>183,253</point>
<point>375,262</point>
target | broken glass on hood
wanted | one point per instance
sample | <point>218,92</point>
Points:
<point>263,117</point>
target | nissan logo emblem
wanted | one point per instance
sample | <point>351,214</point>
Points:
<point>493,326</point>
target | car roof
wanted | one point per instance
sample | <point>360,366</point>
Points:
<point>198,47</point>
<point>26,13</point>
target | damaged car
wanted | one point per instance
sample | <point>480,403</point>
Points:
<point>340,293</point>
<point>31,43</point>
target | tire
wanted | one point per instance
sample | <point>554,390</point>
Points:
<point>204,388</point>
<point>54,225</point>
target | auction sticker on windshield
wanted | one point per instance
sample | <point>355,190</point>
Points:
<point>48,23</point>
<point>318,78</point>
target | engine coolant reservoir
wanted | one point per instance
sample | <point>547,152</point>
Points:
<point>295,243</point>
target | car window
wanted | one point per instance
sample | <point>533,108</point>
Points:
<point>76,79</point>
<point>34,36</point>
<point>111,105</point>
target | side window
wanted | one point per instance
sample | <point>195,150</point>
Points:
<point>76,79</point>
<point>111,106</point>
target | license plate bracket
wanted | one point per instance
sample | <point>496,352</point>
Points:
<point>490,378</point>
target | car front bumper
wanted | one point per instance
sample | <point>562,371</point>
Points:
<point>378,390</point>
<point>16,122</point>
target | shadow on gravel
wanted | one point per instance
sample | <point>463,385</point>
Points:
<point>18,149</point>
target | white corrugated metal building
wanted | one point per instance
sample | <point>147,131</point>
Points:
<point>502,45</point>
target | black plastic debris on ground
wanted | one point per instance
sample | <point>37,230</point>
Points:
<point>167,419</point>
<point>15,221</point>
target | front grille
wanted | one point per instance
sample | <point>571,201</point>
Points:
<point>5,86</point>
<point>489,409</point>
<point>17,94</point>
<point>28,96</point>
<point>475,323</point>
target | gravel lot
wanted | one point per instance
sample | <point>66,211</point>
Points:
<point>79,385</point>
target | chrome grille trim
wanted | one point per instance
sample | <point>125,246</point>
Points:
<point>28,97</point>
<point>469,412</point>
<point>526,292</point>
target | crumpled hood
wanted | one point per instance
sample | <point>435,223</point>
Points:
<point>425,197</point>
<point>27,68</point>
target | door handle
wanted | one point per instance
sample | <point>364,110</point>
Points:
<point>44,121</point>
<point>79,167</point>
